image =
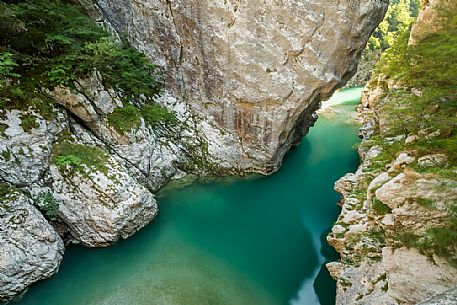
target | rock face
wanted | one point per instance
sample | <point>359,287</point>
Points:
<point>143,150</point>
<point>379,209</point>
<point>254,69</point>
<point>101,206</point>
<point>429,20</point>
<point>244,80</point>
<point>25,148</point>
<point>448,297</point>
<point>395,231</point>
<point>30,248</point>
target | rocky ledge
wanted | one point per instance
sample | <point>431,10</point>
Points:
<point>88,151</point>
<point>397,230</point>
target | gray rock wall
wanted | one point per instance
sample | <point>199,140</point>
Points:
<point>255,69</point>
<point>245,78</point>
<point>30,248</point>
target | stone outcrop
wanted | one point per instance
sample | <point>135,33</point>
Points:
<point>101,206</point>
<point>144,151</point>
<point>449,297</point>
<point>243,81</point>
<point>30,248</point>
<point>374,267</point>
<point>396,230</point>
<point>25,144</point>
<point>255,70</point>
<point>430,19</point>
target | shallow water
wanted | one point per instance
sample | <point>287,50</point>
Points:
<point>233,241</point>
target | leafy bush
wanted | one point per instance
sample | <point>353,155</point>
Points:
<point>28,122</point>
<point>399,17</point>
<point>7,66</point>
<point>73,157</point>
<point>155,114</point>
<point>47,43</point>
<point>124,119</point>
<point>46,203</point>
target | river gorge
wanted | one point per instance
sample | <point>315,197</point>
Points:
<point>240,241</point>
<point>213,112</point>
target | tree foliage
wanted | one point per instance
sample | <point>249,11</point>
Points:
<point>47,43</point>
<point>399,17</point>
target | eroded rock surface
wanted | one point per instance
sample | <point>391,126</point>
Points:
<point>449,297</point>
<point>244,80</point>
<point>25,144</point>
<point>255,69</point>
<point>30,248</point>
<point>101,205</point>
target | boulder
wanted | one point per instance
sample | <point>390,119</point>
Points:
<point>31,250</point>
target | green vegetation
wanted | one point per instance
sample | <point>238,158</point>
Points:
<point>48,43</point>
<point>125,119</point>
<point>7,65</point>
<point>155,115</point>
<point>380,208</point>
<point>423,103</point>
<point>399,17</point>
<point>47,204</point>
<point>424,202</point>
<point>28,122</point>
<point>7,192</point>
<point>441,241</point>
<point>75,157</point>
<point>3,128</point>
<point>429,67</point>
<point>397,21</point>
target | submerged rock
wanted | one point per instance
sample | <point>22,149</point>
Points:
<point>30,249</point>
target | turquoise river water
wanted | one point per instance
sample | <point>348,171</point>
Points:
<point>250,241</point>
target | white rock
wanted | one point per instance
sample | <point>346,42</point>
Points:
<point>433,160</point>
<point>30,249</point>
<point>433,135</point>
<point>338,229</point>
<point>254,70</point>
<point>411,139</point>
<point>101,207</point>
<point>24,155</point>
<point>388,220</point>
<point>377,183</point>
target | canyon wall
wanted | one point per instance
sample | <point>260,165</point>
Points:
<point>243,81</point>
<point>396,232</point>
<point>256,70</point>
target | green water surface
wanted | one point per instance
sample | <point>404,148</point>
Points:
<point>254,241</point>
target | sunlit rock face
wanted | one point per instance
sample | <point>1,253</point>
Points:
<point>254,69</point>
<point>431,18</point>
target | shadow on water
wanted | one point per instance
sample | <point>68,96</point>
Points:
<point>235,241</point>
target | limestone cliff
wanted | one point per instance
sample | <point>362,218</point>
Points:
<point>396,232</point>
<point>256,70</point>
<point>81,145</point>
